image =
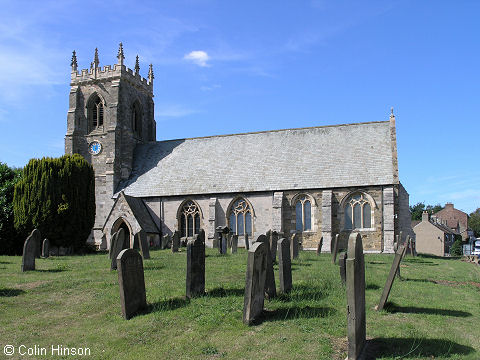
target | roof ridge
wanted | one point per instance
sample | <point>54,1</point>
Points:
<point>275,130</point>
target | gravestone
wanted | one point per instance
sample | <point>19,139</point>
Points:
<point>284,266</point>
<point>29,250</point>
<point>270,289</point>
<point>335,249</point>
<point>196,265</point>
<point>45,248</point>
<point>355,274</point>
<point>343,267</point>
<point>175,241</point>
<point>391,276</point>
<point>141,238</point>
<point>221,239</point>
<point>234,244</point>
<point>247,243</point>
<point>229,240</point>
<point>395,248</point>
<point>273,245</point>
<point>225,233</point>
<point>255,282</point>
<point>407,239</point>
<point>132,282</point>
<point>117,246</point>
<point>166,242</point>
<point>319,247</point>
<point>294,247</point>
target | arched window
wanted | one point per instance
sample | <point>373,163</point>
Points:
<point>189,219</point>
<point>241,218</point>
<point>303,214</point>
<point>95,113</point>
<point>358,212</point>
<point>137,118</point>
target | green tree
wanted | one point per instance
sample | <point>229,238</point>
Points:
<point>457,246</point>
<point>56,196</point>
<point>420,207</point>
<point>10,242</point>
<point>474,222</point>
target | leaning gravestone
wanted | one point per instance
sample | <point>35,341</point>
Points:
<point>356,323</point>
<point>335,249</point>
<point>196,265</point>
<point>234,244</point>
<point>132,282</point>
<point>175,241</point>
<point>270,289</point>
<point>45,248</point>
<point>29,250</point>
<point>284,266</point>
<point>391,276</point>
<point>319,247</point>
<point>255,282</point>
<point>273,245</point>
<point>165,242</point>
<point>247,244</point>
<point>141,239</point>
<point>294,247</point>
<point>343,270</point>
<point>117,247</point>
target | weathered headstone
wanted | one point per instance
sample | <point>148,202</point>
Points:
<point>196,265</point>
<point>141,239</point>
<point>222,239</point>
<point>335,249</point>
<point>343,269</point>
<point>165,242</point>
<point>117,246</point>
<point>29,250</point>
<point>229,240</point>
<point>175,241</point>
<point>270,289</point>
<point>294,246</point>
<point>273,245</point>
<point>247,243</point>
<point>234,244</point>
<point>391,276</point>
<point>255,282</point>
<point>284,265</point>
<point>356,322</point>
<point>319,247</point>
<point>45,248</point>
<point>132,282</point>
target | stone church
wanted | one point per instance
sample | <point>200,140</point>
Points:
<point>313,182</point>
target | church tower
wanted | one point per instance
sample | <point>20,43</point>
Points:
<point>110,112</point>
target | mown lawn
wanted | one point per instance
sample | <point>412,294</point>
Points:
<point>74,302</point>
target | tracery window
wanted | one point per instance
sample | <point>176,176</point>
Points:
<point>241,218</point>
<point>96,113</point>
<point>358,212</point>
<point>189,220</point>
<point>303,214</point>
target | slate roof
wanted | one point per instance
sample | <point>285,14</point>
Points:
<point>305,158</point>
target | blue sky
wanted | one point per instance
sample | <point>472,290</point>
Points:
<point>239,66</point>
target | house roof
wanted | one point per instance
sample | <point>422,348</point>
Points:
<point>318,157</point>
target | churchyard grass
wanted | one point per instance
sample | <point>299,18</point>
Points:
<point>74,301</point>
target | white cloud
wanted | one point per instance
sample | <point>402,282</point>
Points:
<point>173,111</point>
<point>210,88</point>
<point>198,57</point>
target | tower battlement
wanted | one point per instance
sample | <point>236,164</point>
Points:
<point>111,72</point>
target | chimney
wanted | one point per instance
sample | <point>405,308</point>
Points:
<point>425,216</point>
<point>449,205</point>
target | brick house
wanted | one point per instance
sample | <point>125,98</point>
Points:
<point>456,219</point>
<point>311,182</point>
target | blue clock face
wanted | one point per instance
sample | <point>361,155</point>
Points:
<point>95,147</point>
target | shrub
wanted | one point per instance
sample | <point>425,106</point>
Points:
<point>56,196</point>
<point>11,243</point>
<point>457,246</point>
